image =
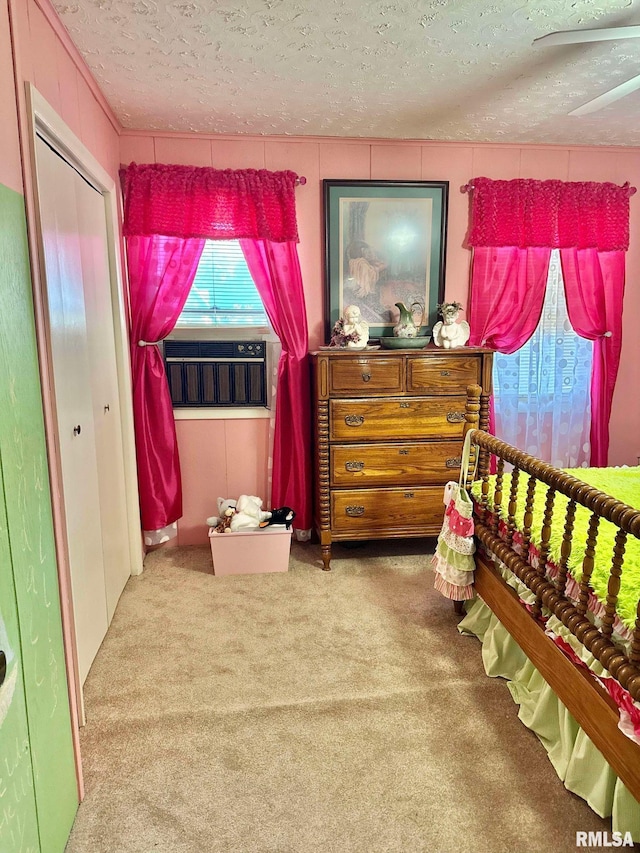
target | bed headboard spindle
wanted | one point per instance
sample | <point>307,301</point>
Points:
<point>587,564</point>
<point>544,545</point>
<point>613,587</point>
<point>527,521</point>
<point>565,548</point>
<point>513,505</point>
<point>497,497</point>
<point>634,655</point>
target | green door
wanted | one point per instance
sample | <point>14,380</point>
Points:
<point>18,819</point>
<point>39,768</point>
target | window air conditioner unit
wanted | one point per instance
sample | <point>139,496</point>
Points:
<point>216,373</point>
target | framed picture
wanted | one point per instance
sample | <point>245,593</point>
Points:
<point>385,242</point>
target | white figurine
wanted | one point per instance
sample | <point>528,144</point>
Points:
<point>351,331</point>
<point>448,333</point>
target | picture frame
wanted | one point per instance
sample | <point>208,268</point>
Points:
<point>385,242</point>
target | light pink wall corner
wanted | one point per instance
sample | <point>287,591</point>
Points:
<point>10,161</point>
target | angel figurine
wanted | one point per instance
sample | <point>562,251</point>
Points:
<point>448,333</point>
<point>351,331</point>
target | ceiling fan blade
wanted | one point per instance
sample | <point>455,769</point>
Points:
<point>580,36</point>
<point>608,98</point>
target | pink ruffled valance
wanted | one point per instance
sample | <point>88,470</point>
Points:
<point>554,214</point>
<point>215,204</point>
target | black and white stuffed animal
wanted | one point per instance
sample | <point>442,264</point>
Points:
<point>282,515</point>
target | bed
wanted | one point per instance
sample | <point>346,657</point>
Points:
<point>557,571</point>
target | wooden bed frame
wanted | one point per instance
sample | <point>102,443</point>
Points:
<point>586,700</point>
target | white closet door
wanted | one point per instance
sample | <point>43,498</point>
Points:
<point>61,229</point>
<point>104,389</point>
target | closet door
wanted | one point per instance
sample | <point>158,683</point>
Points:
<point>104,390</point>
<point>61,229</point>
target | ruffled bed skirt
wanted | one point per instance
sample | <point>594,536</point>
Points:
<point>581,767</point>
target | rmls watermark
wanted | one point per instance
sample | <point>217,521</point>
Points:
<point>603,839</point>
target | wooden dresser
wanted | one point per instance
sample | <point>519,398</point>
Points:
<point>388,435</point>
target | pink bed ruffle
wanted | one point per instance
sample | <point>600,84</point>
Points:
<point>629,710</point>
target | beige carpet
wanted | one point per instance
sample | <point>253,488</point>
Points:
<point>307,711</point>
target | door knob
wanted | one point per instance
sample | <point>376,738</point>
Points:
<point>77,430</point>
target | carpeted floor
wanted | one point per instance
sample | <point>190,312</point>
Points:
<point>292,713</point>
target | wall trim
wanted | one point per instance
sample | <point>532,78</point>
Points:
<point>382,141</point>
<point>211,414</point>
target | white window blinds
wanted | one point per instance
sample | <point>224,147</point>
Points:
<point>223,294</point>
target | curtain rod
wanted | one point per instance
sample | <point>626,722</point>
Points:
<point>301,181</point>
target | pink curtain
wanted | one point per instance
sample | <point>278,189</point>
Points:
<point>507,293</point>
<point>589,223</point>
<point>191,204</point>
<point>594,284</point>
<point>161,271</point>
<point>275,269</point>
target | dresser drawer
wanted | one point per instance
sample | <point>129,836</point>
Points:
<point>394,511</point>
<point>354,465</point>
<point>442,375</point>
<point>365,376</point>
<point>396,418</point>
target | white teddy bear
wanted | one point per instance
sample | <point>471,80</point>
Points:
<point>248,514</point>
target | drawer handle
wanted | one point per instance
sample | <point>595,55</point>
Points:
<point>354,420</point>
<point>453,462</point>
<point>455,417</point>
<point>404,404</point>
<point>445,373</point>
<point>354,511</point>
<point>409,495</point>
<point>403,451</point>
<point>354,466</point>
<point>366,377</point>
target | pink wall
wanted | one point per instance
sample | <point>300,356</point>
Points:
<point>225,458</point>
<point>319,158</point>
<point>10,165</point>
<point>46,57</point>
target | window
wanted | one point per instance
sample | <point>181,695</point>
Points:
<point>217,356</point>
<point>223,294</point>
<point>554,360</point>
<point>542,391</point>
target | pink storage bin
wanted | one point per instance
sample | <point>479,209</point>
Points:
<point>250,551</point>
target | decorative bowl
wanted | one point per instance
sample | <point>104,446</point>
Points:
<point>405,343</point>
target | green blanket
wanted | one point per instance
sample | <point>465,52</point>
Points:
<point>622,483</point>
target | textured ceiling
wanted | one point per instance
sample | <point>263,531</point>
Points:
<point>427,69</point>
